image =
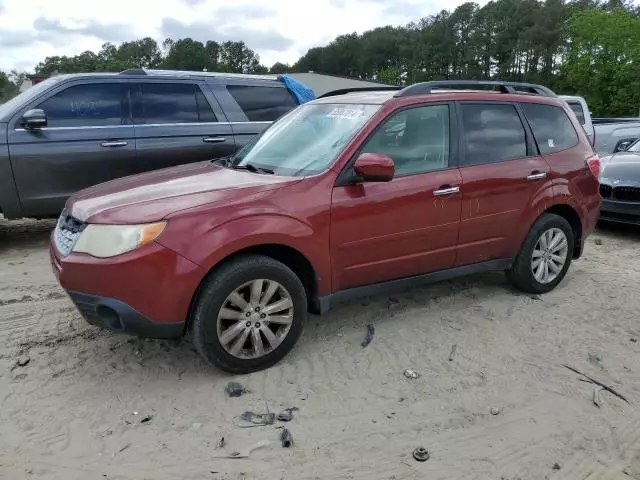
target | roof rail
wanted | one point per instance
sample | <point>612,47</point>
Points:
<point>503,87</point>
<point>134,71</point>
<point>343,91</point>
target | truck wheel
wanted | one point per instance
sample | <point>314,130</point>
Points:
<point>545,256</point>
<point>249,314</point>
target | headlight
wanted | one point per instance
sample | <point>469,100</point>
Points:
<point>105,241</point>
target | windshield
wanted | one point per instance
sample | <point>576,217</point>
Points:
<point>306,140</point>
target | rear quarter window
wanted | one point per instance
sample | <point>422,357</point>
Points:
<point>262,104</point>
<point>551,127</point>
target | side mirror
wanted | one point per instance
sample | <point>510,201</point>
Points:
<point>374,167</point>
<point>34,119</point>
<point>624,144</point>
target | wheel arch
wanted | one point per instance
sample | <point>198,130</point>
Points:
<point>567,212</point>
<point>289,256</point>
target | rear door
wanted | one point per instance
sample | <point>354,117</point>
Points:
<point>89,139</point>
<point>252,107</point>
<point>178,122</point>
<point>502,174</point>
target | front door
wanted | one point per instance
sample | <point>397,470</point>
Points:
<point>502,175</point>
<point>88,140</point>
<point>408,226</point>
<point>175,124</point>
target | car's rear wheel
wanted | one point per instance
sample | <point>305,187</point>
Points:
<point>249,314</point>
<point>545,255</point>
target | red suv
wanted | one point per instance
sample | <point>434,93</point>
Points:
<point>348,195</point>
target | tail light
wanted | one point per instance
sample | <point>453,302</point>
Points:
<point>594,165</point>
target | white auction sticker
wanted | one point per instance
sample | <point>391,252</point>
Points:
<point>346,113</point>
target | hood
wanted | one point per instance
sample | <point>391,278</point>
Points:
<point>621,169</point>
<point>151,196</point>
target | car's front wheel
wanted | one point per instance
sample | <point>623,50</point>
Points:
<point>545,255</point>
<point>249,314</point>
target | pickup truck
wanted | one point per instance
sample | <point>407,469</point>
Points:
<point>71,132</point>
<point>607,135</point>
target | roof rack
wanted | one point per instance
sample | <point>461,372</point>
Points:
<point>343,91</point>
<point>184,73</point>
<point>503,87</point>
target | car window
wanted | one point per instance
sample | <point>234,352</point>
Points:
<point>416,139</point>
<point>492,133</point>
<point>262,104</point>
<point>578,110</point>
<point>551,127</point>
<point>174,103</point>
<point>88,105</point>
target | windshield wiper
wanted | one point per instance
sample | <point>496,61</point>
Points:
<point>253,168</point>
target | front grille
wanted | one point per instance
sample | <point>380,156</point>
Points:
<point>605,191</point>
<point>627,194</point>
<point>67,232</point>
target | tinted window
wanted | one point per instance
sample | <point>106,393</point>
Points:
<point>174,103</point>
<point>577,109</point>
<point>93,104</point>
<point>262,104</point>
<point>417,139</point>
<point>551,127</point>
<point>492,133</point>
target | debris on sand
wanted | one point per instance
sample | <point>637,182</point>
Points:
<point>286,438</point>
<point>454,349</point>
<point>258,419</point>
<point>597,241</point>
<point>596,396</point>
<point>556,466</point>
<point>21,361</point>
<point>246,452</point>
<point>287,414</point>
<point>633,340</point>
<point>146,419</point>
<point>220,443</point>
<point>411,374</point>
<point>495,411</point>
<point>421,454</point>
<point>234,389</point>
<point>369,336</point>
<point>596,382</point>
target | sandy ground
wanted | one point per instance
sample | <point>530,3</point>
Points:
<point>70,413</point>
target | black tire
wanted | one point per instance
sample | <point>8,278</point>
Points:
<point>215,291</point>
<point>521,274</point>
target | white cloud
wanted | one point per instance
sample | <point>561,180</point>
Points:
<point>278,30</point>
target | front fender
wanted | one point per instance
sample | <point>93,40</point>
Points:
<point>209,244</point>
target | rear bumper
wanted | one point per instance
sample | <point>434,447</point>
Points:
<point>117,316</point>
<point>620,212</point>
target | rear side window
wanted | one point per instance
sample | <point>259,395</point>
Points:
<point>174,103</point>
<point>89,105</point>
<point>551,127</point>
<point>492,133</point>
<point>578,110</point>
<point>262,104</point>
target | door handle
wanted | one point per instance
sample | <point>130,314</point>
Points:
<point>537,176</point>
<point>446,191</point>
<point>214,139</point>
<point>113,144</point>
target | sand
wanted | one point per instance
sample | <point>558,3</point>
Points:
<point>75,410</point>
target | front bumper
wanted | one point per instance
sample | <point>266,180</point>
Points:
<point>620,212</point>
<point>147,292</point>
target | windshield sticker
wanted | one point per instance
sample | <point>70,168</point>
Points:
<point>551,143</point>
<point>346,113</point>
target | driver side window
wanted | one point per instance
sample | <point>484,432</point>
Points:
<point>416,139</point>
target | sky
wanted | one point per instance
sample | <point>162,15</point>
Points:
<point>278,30</point>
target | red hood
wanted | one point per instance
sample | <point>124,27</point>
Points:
<point>151,196</point>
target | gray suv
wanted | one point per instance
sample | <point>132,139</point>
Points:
<point>74,131</point>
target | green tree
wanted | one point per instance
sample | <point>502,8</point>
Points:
<point>8,86</point>
<point>280,68</point>
<point>236,57</point>
<point>602,61</point>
